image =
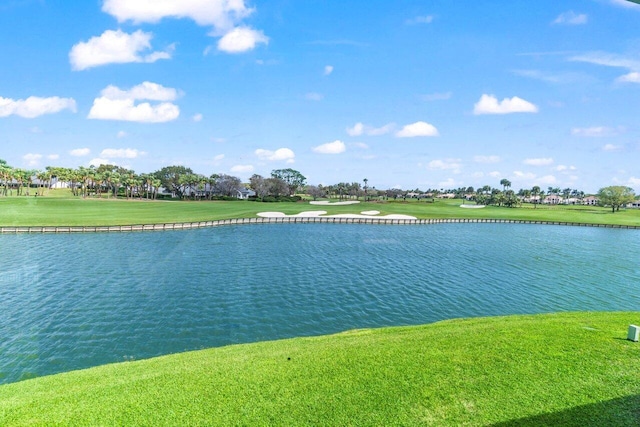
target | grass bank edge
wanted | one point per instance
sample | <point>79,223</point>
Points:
<point>58,211</point>
<point>464,371</point>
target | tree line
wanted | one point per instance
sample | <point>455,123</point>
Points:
<point>283,184</point>
<point>113,181</point>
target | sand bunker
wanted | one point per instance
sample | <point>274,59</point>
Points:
<point>308,214</point>
<point>472,206</point>
<point>325,202</point>
<point>316,214</point>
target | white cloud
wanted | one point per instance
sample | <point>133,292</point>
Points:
<point>280,154</point>
<point>382,130</point>
<point>565,168</point>
<point>524,175</point>
<point>117,104</point>
<point>417,129</point>
<point>335,147</point>
<point>53,156</point>
<point>197,117</point>
<point>488,104</point>
<point>115,47</point>
<point>612,60</point>
<point>362,129</point>
<point>145,90</point>
<point>218,157</point>
<point>594,132</point>
<point>121,153</point>
<point>109,109</point>
<point>242,169</point>
<point>356,130</point>
<point>313,96</point>
<point>241,39</point>
<point>495,174</point>
<point>221,14</point>
<point>35,106</point>
<point>426,19</point>
<point>447,164</point>
<point>32,159</point>
<point>571,18</point>
<point>328,69</point>
<point>486,159</point>
<point>634,182</point>
<point>121,134</point>
<point>556,78</point>
<point>80,152</point>
<point>98,161</point>
<point>633,77</point>
<point>224,16</point>
<point>538,162</point>
<point>611,147</point>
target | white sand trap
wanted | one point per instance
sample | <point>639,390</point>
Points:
<point>271,214</point>
<point>370,213</point>
<point>326,202</point>
<point>309,214</point>
<point>393,216</point>
<point>319,214</point>
<point>472,206</point>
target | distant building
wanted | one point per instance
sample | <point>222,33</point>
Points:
<point>57,184</point>
<point>552,199</point>
<point>590,201</point>
<point>245,194</point>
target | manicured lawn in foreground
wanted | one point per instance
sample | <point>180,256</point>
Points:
<point>68,211</point>
<point>569,369</point>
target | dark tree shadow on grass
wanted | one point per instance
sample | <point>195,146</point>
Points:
<point>621,412</point>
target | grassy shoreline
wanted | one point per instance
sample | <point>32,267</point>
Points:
<point>67,211</point>
<point>553,369</point>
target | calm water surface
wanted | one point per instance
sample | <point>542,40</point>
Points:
<point>75,301</point>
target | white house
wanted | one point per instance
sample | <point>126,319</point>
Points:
<point>245,194</point>
<point>552,199</point>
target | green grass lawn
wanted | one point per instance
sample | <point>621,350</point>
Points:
<point>569,369</point>
<point>63,210</point>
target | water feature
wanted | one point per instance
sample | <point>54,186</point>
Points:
<point>75,301</point>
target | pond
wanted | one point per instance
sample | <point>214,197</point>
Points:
<point>75,301</point>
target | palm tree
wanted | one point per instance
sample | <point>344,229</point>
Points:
<point>20,177</point>
<point>116,180</point>
<point>42,176</point>
<point>5,176</point>
<point>156,183</point>
<point>365,188</point>
<point>505,184</point>
<point>535,192</point>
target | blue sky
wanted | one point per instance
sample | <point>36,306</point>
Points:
<point>409,94</point>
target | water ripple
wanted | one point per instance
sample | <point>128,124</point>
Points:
<point>74,301</point>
